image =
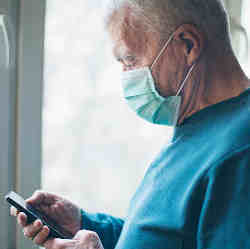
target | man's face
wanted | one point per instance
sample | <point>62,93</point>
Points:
<point>134,48</point>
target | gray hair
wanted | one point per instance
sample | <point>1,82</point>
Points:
<point>164,16</point>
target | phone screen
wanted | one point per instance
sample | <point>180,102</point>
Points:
<point>32,214</point>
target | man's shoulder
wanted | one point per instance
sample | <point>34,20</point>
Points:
<point>234,164</point>
<point>228,131</point>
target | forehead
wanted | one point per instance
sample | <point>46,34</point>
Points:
<point>128,32</point>
<point>128,41</point>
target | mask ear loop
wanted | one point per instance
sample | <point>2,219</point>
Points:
<point>184,81</point>
<point>162,51</point>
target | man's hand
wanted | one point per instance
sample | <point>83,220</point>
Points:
<point>63,212</point>
<point>83,239</point>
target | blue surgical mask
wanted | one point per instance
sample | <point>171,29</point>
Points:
<point>142,96</point>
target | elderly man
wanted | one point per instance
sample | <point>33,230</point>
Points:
<point>178,70</point>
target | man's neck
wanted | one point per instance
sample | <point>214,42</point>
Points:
<point>213,82</point>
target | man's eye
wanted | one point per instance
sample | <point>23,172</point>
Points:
<point>129,60</point>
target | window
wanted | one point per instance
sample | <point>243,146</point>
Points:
<point>95,149</point>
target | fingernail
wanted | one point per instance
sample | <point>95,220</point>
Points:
<point>22,216</point>
<point>38,223</point>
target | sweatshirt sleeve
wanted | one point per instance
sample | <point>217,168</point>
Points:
<point>106,226</point>
<point>225,216</point>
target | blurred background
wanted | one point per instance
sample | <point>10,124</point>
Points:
<point>95,149</point>
<point>65,126</point>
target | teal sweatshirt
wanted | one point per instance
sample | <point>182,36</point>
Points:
<point>196,194</point>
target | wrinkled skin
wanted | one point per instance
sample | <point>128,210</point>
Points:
<point>65,214</point>
<point>83,240</point>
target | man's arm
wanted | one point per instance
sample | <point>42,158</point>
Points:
<point>225,216</point>
<point>107,227</point>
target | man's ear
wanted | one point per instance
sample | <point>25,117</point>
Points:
<point>192,41</point>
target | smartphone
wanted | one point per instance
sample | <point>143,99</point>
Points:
<point>33,214</point>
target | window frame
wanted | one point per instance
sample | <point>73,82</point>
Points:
<point>7,130</point>
<point>21,109</point>
<point>30,61</point>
